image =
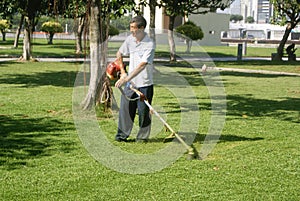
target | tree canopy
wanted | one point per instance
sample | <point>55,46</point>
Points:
<point>236,18</point>
<point>4,25</point>
<point>286,12</point>
<point>190,31</point>
<point>249,19</point>
<point>51,28</point>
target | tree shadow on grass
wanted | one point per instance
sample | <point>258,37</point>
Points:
<point>23,138</point>
<point>245,106</point>
<point>53,78</point>
<point>52,54</point>
<point>55,50</point>
<point>238,105</point>
<point>225,138</point>
<point>199,138</point>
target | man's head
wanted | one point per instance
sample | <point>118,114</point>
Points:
<point>137,26</point>
<point>140,21</point>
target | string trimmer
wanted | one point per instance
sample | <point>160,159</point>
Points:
<point>191,151</point>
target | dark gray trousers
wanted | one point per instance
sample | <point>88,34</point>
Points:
<point>127,114</point>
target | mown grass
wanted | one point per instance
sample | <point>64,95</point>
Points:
<point>42,158</point>
<point>40,48</point>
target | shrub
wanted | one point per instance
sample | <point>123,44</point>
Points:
<point>190,31</point>
<point>113,31</point>
<point>4,25</point>
<point>249,20</point>
<point>51,28</point>
<point>236,18</point>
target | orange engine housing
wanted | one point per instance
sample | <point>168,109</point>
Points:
<point>113,70</point>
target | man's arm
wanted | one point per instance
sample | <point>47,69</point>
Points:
<point>119,60</point>
<point>134,73</point>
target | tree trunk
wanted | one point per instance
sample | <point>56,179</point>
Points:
<point>51,35</point>
<point>171,39</point>
<point>280,49</point>
<point>27,39</point>
<point>104,83</point>
<point>3,35</point>
<point>95,72</point>
<point>152,4</point>
<point>99,84</point>
<point>188,45</point>
<point>79,32</point>
<point>17,36</point>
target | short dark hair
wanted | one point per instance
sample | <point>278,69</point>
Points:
<point>139,20</point>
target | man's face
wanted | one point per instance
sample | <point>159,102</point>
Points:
<point>136,32</point>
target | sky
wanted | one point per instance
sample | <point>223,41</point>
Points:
<point>234,8</point>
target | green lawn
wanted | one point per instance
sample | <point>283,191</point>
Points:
<point>256,158</point>
<point>40,48</point>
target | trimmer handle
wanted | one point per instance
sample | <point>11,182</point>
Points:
<point>140,94</point>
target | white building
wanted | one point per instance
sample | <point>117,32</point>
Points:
<point>217,25</point>
<point>212,24</point>
<point>161,20</point>
<point>260,10</point>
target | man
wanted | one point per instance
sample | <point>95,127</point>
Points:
<point>140,48</point>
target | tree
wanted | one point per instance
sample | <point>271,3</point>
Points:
<point>7,10</point>
<point>51,28</point>
<point>174,8</point>
<point>30,9</point>
<point>18,32</point>
<point>80,21</point>
<point>99,15</point>
<point>236,18</point>
<point>249,19</point>
<point>94,20</point>
<point>121,23</point>
<point>190,31</point>
<point>4,25</point>
<point>77,10</point>
<point>287,12</point>
<point>95,61</point>
<point>152,4</point>
<point>112,31</point>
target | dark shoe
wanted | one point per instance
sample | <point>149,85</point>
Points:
<point>121,140</point>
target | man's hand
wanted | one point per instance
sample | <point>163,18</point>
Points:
<point>122,80</point>
<point>123,75</point>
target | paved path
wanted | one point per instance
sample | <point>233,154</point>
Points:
<point>157,59</point>
<point>191,59</point>
<point>257,71</point>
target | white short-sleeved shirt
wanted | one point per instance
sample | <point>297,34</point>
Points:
<point>140,52</point>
